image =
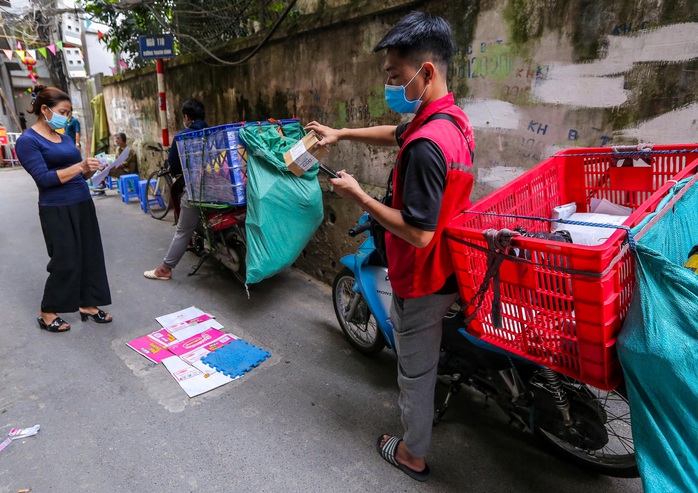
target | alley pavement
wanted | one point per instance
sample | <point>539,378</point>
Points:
<point>306,420</point>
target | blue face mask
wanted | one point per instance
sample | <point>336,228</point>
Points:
<point>397,100</point>
<point>57,121</point>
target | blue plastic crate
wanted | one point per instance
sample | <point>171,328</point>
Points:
<point>214,164</point>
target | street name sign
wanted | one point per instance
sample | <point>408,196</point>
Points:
<point>159,46</point>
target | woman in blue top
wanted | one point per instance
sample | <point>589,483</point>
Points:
<point>77,276</point>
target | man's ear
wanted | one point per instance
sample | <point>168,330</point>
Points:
<point>429,72</point>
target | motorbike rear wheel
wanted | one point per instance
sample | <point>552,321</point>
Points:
<point>362,331</point>
<point>617,457</point>
<point>236,246</point>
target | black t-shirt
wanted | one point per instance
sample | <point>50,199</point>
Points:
<point>423,170</point>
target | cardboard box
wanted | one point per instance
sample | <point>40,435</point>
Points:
<point>304,154</point>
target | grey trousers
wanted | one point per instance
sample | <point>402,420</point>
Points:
<point>417,331</point>
<point>186,225</point>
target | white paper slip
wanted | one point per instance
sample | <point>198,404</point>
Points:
<point>302,157</point>
<point>98,178</point>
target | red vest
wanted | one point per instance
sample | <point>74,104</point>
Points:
<point>416,271</point>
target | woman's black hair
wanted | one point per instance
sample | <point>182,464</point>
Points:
<point>419,35</point>
<point>121,136</point>
<point>49,96</point>
<point>194,109</point>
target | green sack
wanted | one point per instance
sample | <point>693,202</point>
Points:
<point>658,348</point>
<point>283,210</point>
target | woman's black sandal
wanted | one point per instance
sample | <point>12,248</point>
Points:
<point>100,317</point>
<point>54,326</point>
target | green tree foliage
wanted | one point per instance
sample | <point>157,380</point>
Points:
<point>195,24</point>
<point>127,21</point>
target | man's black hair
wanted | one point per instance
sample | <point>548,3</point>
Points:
<point>121,136</point>
<point>194,109</point>
<point>419,34</point>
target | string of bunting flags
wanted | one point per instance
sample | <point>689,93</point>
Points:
<point>22,54</point>
<point>28,57</point>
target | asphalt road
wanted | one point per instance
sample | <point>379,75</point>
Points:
<point>305,421</point>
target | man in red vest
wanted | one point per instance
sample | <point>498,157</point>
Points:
<point>429,185</point>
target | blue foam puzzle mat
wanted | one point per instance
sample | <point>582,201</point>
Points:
<point>236,358</point>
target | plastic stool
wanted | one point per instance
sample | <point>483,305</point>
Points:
<point>142,185</point>
<point>112,183</point>
<point>129,187</point>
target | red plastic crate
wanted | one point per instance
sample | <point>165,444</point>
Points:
<point>564,308</point>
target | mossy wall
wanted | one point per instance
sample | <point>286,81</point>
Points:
<point>534,76</point>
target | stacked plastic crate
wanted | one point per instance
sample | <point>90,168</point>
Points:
<point>214,164</point>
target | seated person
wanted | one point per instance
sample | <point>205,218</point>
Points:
<point>128,167</point>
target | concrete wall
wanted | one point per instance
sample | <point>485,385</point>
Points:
<point>534,76</point>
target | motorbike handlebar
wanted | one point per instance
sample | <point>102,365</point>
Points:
<point>360,229</point>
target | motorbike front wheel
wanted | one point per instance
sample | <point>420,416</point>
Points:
<point>360,328</point>
<point>614,454</point>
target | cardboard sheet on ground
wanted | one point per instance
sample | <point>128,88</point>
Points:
<point>182,316</point>
<point>99,177</point>
<point>199,345</point>
<point>185,333</point>
<point>193,380</point>
<point>193,376</point>
<point>154,345</point>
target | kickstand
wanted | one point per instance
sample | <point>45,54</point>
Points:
<point>201,262</point>
<point>453,388</point>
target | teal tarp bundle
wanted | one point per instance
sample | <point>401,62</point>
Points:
<point>658,349</point>
<point>283,210</point>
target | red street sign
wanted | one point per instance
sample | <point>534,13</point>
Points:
<point>3,137</point>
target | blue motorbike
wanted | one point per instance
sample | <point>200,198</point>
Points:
<point>589,426</point>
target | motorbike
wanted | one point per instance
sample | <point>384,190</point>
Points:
<point>221,235</point>
<point>589,426</point>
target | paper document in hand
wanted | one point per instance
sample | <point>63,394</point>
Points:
<point>193,380</point>
<point>98,178</point>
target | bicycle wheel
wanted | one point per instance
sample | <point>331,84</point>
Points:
<point>157,195</point>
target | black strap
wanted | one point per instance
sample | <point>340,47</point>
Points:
<point>444,116</point>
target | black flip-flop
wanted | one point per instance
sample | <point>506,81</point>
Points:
<point>388,451</point>
<point>54,326</point>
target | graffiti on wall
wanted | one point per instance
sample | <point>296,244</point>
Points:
<point>540,105</point>
<point>125,117</point>
<point>488,61</point>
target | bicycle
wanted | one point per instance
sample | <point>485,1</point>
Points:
<point>158,192</point>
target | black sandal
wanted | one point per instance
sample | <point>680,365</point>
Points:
<point>54,326</point>
<point>100,317</point>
